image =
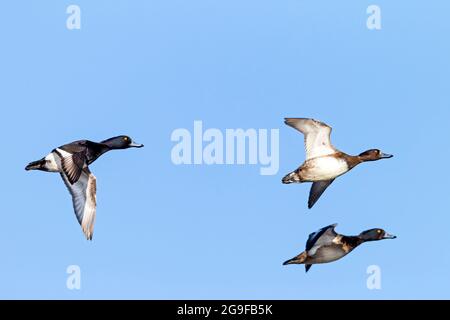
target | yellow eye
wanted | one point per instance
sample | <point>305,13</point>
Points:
<point>125,138</point>
<point>379,231</point>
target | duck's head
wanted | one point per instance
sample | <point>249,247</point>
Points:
<point>374,155</point>
<point>375,235</point>
<point>121,142</point>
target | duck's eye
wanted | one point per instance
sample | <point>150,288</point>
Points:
<point>379,231</point>
<point>125,138</point>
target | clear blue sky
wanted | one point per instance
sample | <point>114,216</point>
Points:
<point>145,68</point>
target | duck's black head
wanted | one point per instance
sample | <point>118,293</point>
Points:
<point>374,155</point>
<point>121,142</point>
<point>375,235</point>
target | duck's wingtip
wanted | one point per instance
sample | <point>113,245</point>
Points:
<point>88,235</point>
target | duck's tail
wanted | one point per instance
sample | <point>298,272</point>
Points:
<point>36,165</point>
<point>292,177</point>
<point>300,259</point>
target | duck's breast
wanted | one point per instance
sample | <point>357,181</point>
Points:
<point>323,168</point>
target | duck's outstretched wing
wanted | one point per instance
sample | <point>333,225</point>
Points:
<point>83,193</point>
<point>324,236</point>
<point>317,136</point>
<point>317,189</point>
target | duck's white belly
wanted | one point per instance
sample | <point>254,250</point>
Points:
<point>324,168</point>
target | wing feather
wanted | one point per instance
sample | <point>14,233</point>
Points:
<point>84,200</point>
<point>321,237</point>
<point>317,189</point>
<point>71,163</point>
<point>317,136</point>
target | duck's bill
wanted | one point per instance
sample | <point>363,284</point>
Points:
<point>389,236</point>
<point>386,156</point>
<point>136,145</point>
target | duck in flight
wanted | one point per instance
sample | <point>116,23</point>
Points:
<point>324,163</point>
<point>326,245</point>
<point>72,162</point>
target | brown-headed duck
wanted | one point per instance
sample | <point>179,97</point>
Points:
<point>324,163</point>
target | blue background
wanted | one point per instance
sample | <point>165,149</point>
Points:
<point>145,68</point>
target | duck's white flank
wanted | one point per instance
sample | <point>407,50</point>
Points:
<point>324,168</point>
<point>53,162</point>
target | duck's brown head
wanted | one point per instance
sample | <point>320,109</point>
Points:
<point>373,155</point>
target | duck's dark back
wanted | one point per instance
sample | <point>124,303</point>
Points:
<point>91,150</point>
